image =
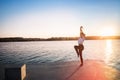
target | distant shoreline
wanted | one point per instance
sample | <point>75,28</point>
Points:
<point>21,39</point>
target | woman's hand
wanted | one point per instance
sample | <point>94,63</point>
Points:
<point>81,27</point>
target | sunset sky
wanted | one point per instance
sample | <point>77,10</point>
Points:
<point>59,18</point>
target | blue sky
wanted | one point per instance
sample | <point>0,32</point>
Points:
<point>55,18</point>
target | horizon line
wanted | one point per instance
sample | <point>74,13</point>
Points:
<point>60,36</point>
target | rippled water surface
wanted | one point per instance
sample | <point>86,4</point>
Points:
<point>59,51</point>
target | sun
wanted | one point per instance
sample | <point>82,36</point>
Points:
<point>107,32</point>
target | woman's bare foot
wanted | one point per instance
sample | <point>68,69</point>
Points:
<point>81,64</point>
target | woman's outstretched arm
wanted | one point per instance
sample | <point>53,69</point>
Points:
<point>81,27</point>
<point>81,31</point>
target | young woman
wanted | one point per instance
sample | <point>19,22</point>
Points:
<point>79,48</point>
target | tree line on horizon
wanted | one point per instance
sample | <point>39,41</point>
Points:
<point>15,39</point>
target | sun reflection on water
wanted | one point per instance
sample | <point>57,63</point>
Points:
<point>108,51</point>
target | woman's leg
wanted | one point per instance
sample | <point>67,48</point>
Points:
<point>76,49</point>
<point>81,48</point>
<point>81,58</point>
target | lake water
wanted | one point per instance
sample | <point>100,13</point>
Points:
<point>59,51</point>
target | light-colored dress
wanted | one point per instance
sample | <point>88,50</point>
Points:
<point>81,40</point>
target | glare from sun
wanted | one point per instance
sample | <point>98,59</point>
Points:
<point>107,32</point>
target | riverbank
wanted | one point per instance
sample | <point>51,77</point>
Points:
<point>22,39</point>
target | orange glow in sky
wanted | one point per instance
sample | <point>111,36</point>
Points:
<point>59,18</point>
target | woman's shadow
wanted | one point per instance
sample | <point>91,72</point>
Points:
<point>73,72</point>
